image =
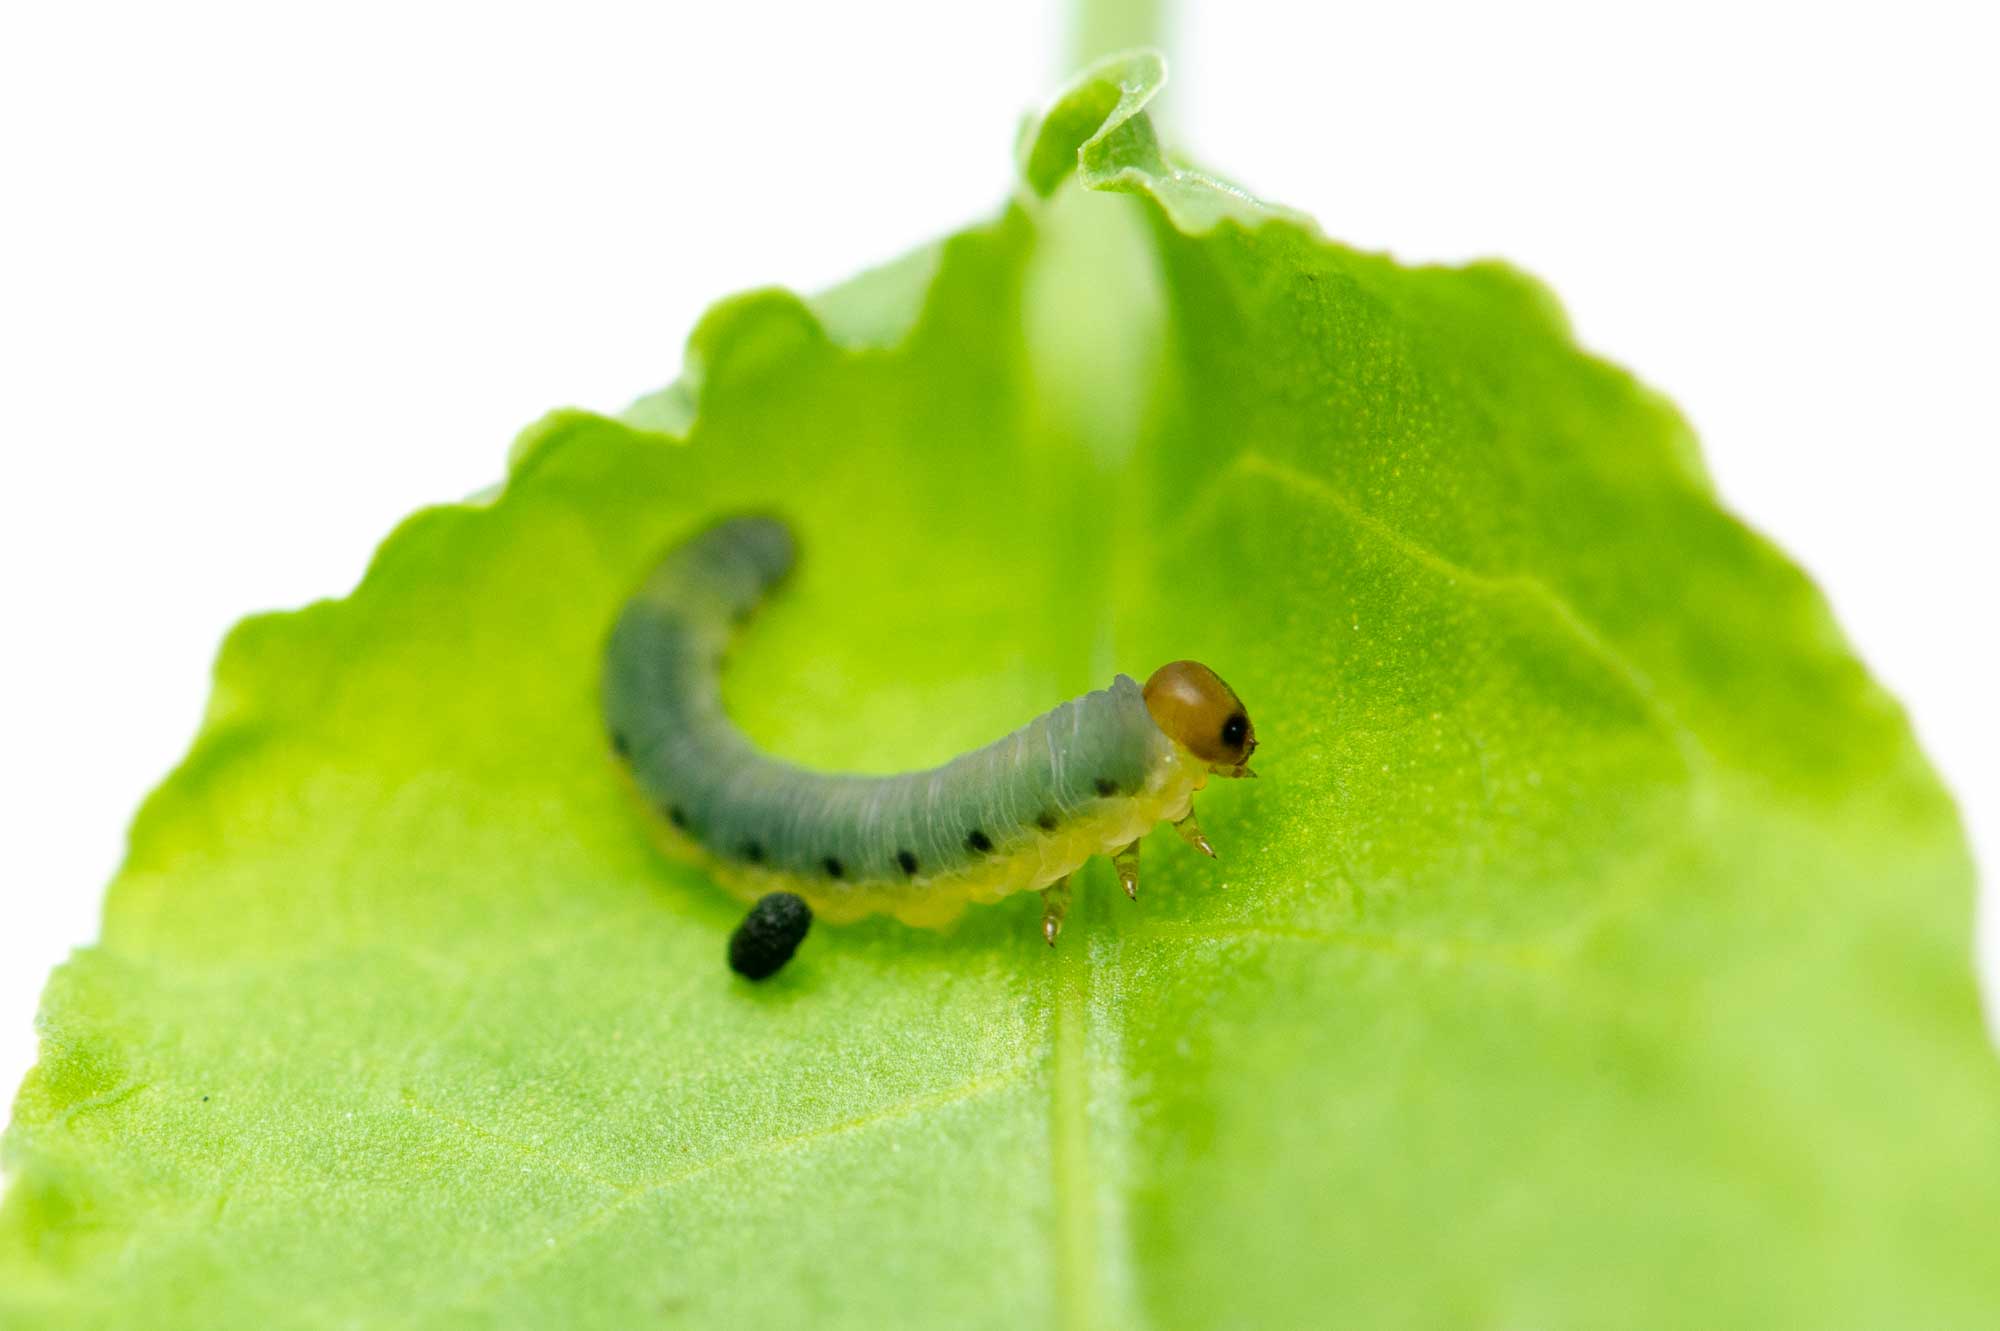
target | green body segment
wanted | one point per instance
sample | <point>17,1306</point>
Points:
<point>842,834</point>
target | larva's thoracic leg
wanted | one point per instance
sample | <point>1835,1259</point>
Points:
<point>1190,831</point>
<point>1055,904</point>
<point>1126,862</point>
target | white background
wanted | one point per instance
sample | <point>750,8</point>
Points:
<point>271,276</point>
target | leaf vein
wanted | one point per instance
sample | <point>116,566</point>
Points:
<point>632,1197</point>
<point>1693,753</point>
<point>525,1148</point>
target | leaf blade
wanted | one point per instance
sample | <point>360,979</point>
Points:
<point>1585,852</point>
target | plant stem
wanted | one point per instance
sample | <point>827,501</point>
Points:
<point>1100,27</point>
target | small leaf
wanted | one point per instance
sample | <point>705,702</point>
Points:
<point>1593,952</point>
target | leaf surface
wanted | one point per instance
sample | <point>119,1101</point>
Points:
<point>1594,951</point>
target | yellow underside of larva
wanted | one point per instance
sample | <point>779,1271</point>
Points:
<point>935,901</point>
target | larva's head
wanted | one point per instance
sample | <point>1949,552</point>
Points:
<point>1202,715</point>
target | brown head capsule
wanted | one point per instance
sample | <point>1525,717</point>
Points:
<point>1203,715</point>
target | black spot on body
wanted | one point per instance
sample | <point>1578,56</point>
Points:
<point>834,867</point>
<point>753,851</point>
<point>906,861</point>
<point>1047,820</point>
<point>620,745</point>
<point>768,936</point>
<point>1106,786</point>
<point>677,816</point>
<point>978,841</point>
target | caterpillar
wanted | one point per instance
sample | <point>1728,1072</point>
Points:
<point>1021,814</point>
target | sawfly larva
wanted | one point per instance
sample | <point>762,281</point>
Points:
<point>1021,814</point>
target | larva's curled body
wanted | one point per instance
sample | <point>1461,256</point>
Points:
<point>1088,778</point>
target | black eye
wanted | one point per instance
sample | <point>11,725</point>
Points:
<point>1234,729</point>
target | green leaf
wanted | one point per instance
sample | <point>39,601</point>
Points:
<point>1593,953</point>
